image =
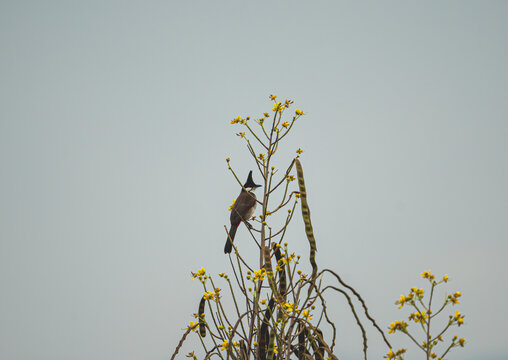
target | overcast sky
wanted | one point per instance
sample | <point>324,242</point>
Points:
<point>114,129</point>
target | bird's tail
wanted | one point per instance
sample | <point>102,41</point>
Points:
<point>229,243</point>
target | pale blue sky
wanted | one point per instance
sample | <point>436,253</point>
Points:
<point>114,127</point>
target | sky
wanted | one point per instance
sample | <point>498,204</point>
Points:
<point>114,129</point>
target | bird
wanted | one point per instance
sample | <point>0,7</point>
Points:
<point>242,210</point>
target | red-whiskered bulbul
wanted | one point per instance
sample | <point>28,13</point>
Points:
<point>242,210</point>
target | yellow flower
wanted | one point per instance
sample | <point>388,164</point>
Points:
<point>192,324</point>
<point>209,295</point>
<point>278,107</point>
<point>236,120</point>
<point>266,114</point>
<point>390,355</point>
<point>273,97</point>
<point>221,274</point>
<point>290,178</point>
<point>459,318</point>
<point>199,274</point>
<point>401,301</point>
<point>285,124</point>
<point>241,134</point>
<point>263,302</point>
<point>427,275</point>
<point>259,274</point>
<point>261,157</point>
<point>433,355</point>
<point>236,344</point>
<point>255,343</point>
<point>299,112</point>
<point>419,317</point>
<point>457,294</point>
<point>445,278</point>
<point>397,325</point>
<point>462,341</point>
<point>299,151</point>
<point>306,315</point>
<point>453,300</point>
<point>231,206</point>
<point>289,307</point>
<point>225,345</point>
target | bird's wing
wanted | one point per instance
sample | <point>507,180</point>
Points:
<point>243,204</point>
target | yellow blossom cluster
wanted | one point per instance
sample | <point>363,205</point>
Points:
<point>419,316</point>
<point>209,295</point>
<point>392,355</point>
<point>403,299</point>
<point>290,307</point>
<point>193,326</point>
<point>239,119</point>
<point>427,275</point>
<point>299,112</point>
<point>397,325</point>
<point>225,345</point>
<point>414,298</point>
<point>306,315</point>
<point>278,107</point>
<point>199,274</point>
<point>454,298</point>
<point>458,317</point>
<point>285,260</point>
<point>259,275</point>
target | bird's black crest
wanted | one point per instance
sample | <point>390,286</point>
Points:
<point>250,183</point>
